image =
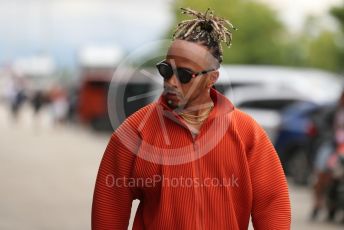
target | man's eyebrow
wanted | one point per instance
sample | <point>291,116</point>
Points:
<point>187,68</point>
<point>180,66</point>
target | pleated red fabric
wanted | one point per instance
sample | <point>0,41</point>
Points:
<point>217,180</point>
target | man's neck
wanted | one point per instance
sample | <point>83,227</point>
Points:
<point>199,105</point>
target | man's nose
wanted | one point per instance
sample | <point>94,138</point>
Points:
<point>173,81</point>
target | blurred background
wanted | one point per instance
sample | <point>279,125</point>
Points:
<point>58,58</point>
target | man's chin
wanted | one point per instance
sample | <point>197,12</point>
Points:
<point>174,104</point>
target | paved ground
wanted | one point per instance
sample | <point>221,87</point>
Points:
<point>47,176</point>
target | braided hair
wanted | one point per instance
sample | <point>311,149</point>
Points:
<point>206,29</point>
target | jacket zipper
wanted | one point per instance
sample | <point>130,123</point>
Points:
<point>199,189</point>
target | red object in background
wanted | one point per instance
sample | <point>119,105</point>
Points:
<point>93,95</point>
<point>312,129</point>
<point>340,149</point>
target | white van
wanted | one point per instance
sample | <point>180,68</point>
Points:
<point>264,91</point>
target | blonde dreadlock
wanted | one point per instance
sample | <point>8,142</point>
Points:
<point>207,29</point>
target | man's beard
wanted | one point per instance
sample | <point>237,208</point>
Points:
<point>174,99</point>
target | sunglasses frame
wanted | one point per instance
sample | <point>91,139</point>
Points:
<point>192,73</point>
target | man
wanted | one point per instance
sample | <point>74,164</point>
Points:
<point>192,159</point>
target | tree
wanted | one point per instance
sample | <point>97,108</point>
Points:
<point>317,46</point>
<point>338,13</point>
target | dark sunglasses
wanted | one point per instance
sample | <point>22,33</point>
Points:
<point>184,75</point>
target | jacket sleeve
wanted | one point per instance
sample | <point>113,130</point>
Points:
<point>112,198</point>
<point>271,204</point>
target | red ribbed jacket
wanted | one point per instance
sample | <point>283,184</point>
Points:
<point>215,181</point>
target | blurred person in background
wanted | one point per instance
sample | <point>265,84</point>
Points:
<point>192,115</point>
<point>59,103</point>
<point>73,100</point>
<point>338,125</point>
<point>38,99</point>
<point>16,95</point>
<point>323,168</point>
<point>336,164</point>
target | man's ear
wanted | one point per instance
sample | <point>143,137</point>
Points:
<point>213,78</point>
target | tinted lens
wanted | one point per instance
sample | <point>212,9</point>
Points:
<point>184,76</point>
<point>165,70</point>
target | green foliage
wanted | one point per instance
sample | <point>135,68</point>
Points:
<point>323,52</point>
<point>317,47</point>
<point>338,13</point>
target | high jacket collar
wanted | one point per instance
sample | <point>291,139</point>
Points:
<point>222,105</point>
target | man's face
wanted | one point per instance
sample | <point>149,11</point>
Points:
<point>196,58</point>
